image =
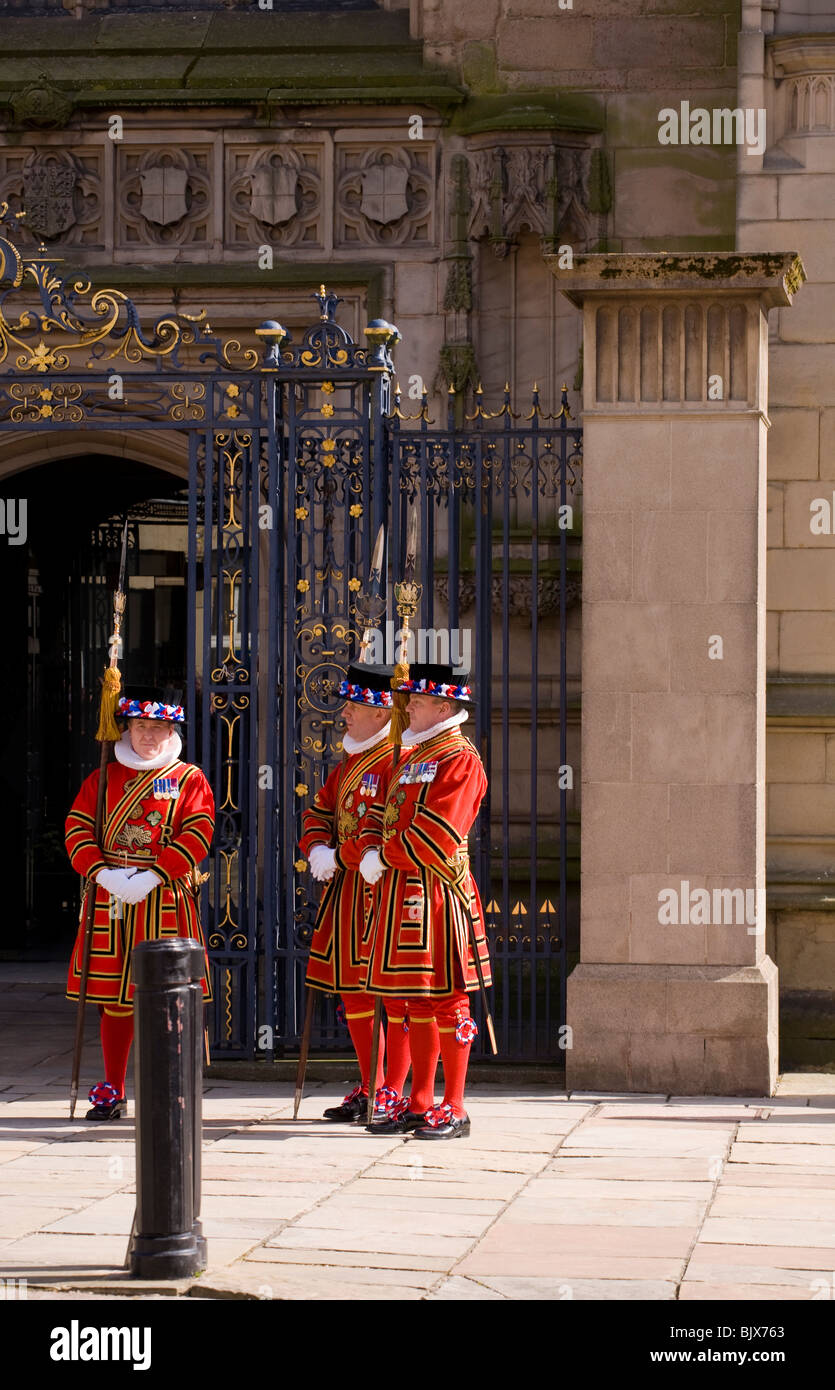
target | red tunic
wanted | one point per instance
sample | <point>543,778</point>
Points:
<point>424,903</point>
<point>170,836</point>
<point>338,960</point>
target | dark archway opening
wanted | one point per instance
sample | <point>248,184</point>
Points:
<point>58,575</point>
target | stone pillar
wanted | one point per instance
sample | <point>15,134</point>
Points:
<point>674,991</point>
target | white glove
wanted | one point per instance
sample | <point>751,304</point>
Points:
<point>322,862</point>
<point>112,881</point>
<point>371,866</point>
<point>139,886</point>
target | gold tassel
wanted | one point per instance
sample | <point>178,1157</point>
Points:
<point>399,714</point>
<point>108,730</point>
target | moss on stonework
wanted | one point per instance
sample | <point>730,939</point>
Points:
<point>531,111</point>
<point>187,59</point>
<point>479,70</point>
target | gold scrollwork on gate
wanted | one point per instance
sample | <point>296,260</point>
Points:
<point>57,403</point>
<point>228,857</point>
<point>225,671</point>
<point>186,395</point>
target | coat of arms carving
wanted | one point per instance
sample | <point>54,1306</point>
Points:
<point>163,194</point>
<point>48,198</point>
<point>384,193</point>
<point>273,193</point>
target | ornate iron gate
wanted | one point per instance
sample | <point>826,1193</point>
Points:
<point>296,454</point>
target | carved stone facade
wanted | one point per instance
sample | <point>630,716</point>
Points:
<point>61,191</point>
<point>274,195</point>
<point>164,196</point>
<point>384,195</point>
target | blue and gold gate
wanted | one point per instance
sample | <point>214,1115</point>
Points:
<point>297,452</point>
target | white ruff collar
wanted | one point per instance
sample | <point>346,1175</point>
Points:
<point>410,739</point>
<point>352,746</point>
<point>125,754</point>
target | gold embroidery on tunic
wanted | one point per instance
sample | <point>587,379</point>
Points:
<point>347,824</point>
<point>133,836</point>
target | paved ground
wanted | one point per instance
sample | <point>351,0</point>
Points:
<point>554,1196</point>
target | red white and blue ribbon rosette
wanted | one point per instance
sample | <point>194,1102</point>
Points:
<point>440,1115</point>
<point>441,688</point>
<point>465,1030</point>
<point>150,709</point>
<point>385,1101</point>
<point>105,1093</point>
<point>363,695</point>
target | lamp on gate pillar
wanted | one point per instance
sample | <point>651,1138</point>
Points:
<point>274,336</point>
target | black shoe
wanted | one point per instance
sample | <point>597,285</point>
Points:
<point>115,1111</point>
<point>353,1109</point>
<point>453,1129</point>
<point>401,1124</point>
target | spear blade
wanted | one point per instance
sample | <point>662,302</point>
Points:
<point>411,546</point>
<point>375,573</point>
<point>371,605</point>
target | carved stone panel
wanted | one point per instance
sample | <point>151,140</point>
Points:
<point>384,195</point>
<point>60,192</point>
<point>164,196</point>
<point>274,194</point>
<point>559,192</point>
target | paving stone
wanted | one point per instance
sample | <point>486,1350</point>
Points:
<point>448,1248</point>
<point>546,1244</point>
<point>753,1176</point>
<point>563,1266</point>
<point>780,1256</point>
<point>805,1083</point>
<point>704,1270</point>
<point>384,1177</point>
<point>614,1211</point>
<point>298,1193</point>
<point>457,1154</point>
<point>553,1187</point>
<point>26,1219</point>
<point>745,1293</point>
<point>375,1259</point>
<point>417,1200</point>
<point>780,1130</point>
<point>565,1290</point>
<point>459,1289</point>
<point>776,1202</point>
<point>296,1288</point>
<point>346,1218</point>
<point>820,1157</point>
<point>729,1230</point>
<point>65,1254</point>
<point>630,1167</point>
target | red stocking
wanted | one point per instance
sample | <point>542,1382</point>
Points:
<point>116,1038</point>
<point>451,1014</point>
<point>359,1015</point>
<point>397,1045</point>
<point>424,1049</point>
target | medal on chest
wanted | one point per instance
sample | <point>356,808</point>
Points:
<point>369,784</point>
<point>166,788</point>
<point>418,772</point>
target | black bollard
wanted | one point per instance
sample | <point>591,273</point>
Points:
<point>168,1053</point>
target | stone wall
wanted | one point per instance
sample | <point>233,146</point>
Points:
<point>790,202</point>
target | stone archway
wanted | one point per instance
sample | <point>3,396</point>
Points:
<point>62,488</point>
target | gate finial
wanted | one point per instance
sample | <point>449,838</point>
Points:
<point>327,300</point>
